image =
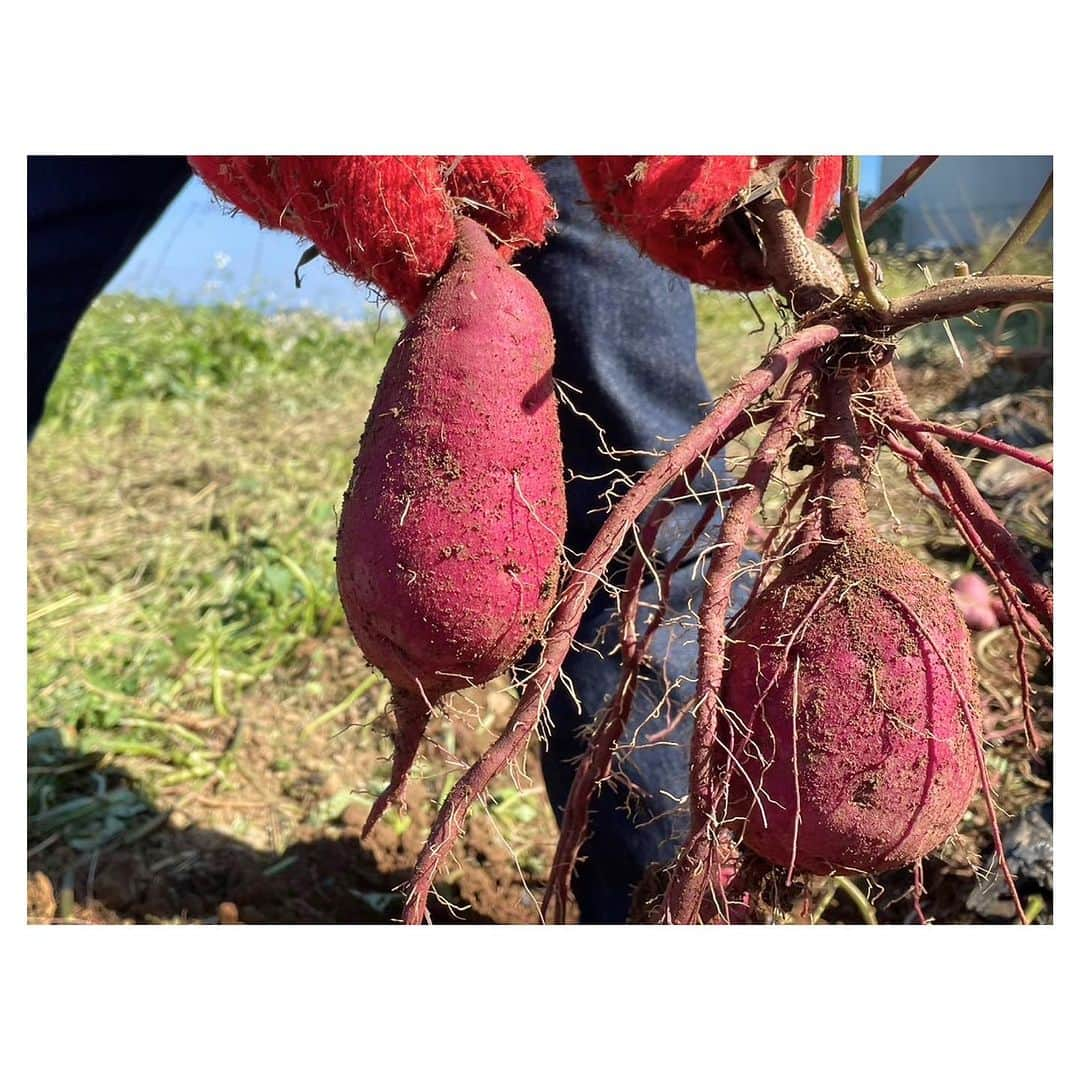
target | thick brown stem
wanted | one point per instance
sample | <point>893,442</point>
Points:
<point>801,269</point>
<point>962,296</point>
<point>705,440</point>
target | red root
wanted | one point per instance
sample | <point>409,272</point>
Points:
<point>974,439</point>
<point>704,441</point>
<point>952,480</point>
<point>595,767</point>
<point>696,863</point>
<point>1014,608</point>
<point>773,536</point>
<point>411,713</point>
<point>918,891</point>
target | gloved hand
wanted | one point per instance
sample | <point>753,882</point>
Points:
<point>676,209</point>
<point>384,219</point>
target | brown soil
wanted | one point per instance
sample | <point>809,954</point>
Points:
<point>266,844</point>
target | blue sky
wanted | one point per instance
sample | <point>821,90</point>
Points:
<point>198,253</point>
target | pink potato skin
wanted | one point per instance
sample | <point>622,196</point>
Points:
<point>451,532</point>
<point>980,608</point>
<point>885,757</point>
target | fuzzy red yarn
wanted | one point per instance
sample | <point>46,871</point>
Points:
<point>505,194</point>
<point>824,178</point>
<point>673,207</point>
<point>246,182</point>
<point>384,219</point>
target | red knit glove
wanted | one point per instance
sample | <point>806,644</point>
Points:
<point>672,208</point>
<point>387,220</point>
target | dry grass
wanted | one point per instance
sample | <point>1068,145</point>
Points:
<point>189,668</point>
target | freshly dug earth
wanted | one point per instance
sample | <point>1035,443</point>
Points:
<point>301,859</point>
<point>860,756</point>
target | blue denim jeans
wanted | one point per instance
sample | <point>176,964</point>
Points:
<point>626,345</point>
<point>626,337</point>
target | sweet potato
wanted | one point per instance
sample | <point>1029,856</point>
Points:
<point>980,608</point>
<point>450,539</point>
<point>859,755</point>
<point>854,713</point>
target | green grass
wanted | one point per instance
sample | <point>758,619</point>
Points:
<point>183,493</point>
<point>183,490</point>
<point>128,351</point>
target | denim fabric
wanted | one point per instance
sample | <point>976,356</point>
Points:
<point>625,338</point>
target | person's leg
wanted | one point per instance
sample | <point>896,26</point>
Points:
<point>625,336</point>
<point>84,217</point>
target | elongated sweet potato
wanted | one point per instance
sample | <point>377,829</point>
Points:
<point>450,540</point>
